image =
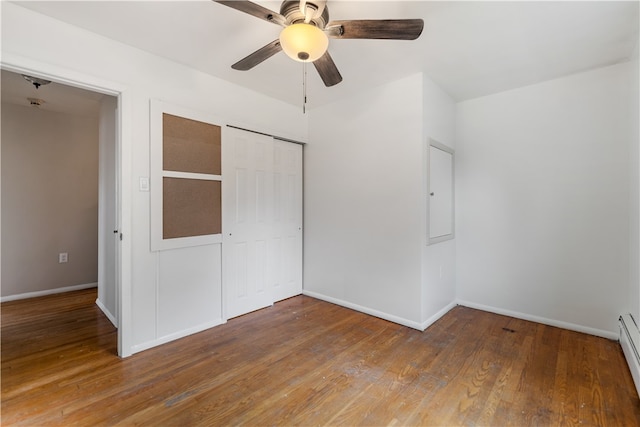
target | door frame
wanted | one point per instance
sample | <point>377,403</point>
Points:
<point>124,144</point>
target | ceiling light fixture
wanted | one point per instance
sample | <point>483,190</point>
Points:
<point>36,81</point>
<point>304,42</point>
<point>35,102</point>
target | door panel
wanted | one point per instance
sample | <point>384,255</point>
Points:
<point>288,219</point>
<point>246,194</point>
<point>108,235</point>
<point>441,193</point>
<point>240,272</point>
<point>262,219</point>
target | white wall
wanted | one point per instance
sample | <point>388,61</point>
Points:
<point>156,316</point>
<point>365,202</point>
<point>542,208</point>
<point>438,260</point>
<point>362,201</point>
<point>543,200</point>
<point>49,200</point>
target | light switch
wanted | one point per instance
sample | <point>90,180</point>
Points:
<point>144,183</point>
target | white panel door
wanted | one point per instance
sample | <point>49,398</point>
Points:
<point>108,233</point>
<point>286,277</point>
<point>247,192</point>
<point>262,221</point>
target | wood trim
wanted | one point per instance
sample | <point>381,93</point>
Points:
<point>187,175</point>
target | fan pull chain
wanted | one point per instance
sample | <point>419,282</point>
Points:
<point>304,88</point>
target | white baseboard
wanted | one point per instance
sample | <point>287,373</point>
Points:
<point>49,292</point>
<point>630,343</point>
<point>430,321</point>
<point>106,312</point>
<point>382,315</point>
<point>551,322</point>
<point>177,335</point>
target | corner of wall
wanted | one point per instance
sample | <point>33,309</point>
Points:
<point>438,291</point>
<point>362,242</point>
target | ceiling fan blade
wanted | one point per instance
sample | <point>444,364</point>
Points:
<point>394,29</point>
<point>258,56</point>
<point>255,10</point>
<point>327,70</point>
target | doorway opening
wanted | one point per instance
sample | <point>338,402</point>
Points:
<point>60,191</point>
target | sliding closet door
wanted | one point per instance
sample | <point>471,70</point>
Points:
<point>286,278</point>
<point>262,250</point>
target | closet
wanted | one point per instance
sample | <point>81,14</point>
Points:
<point>226,219</point>
<point>261,220</point>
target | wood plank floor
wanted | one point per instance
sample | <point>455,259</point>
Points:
<point>308,362</point>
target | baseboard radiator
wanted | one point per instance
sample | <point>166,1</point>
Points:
<point>630,342</point>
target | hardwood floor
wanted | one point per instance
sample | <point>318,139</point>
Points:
<point>308,362</point>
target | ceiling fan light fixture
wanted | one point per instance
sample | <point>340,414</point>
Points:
<point>304,42</point>
<point>36,81</point>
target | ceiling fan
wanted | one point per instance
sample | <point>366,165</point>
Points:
<point>307,29</point>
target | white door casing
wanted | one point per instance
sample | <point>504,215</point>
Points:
<point>124,114</point>
<point>441,193</point>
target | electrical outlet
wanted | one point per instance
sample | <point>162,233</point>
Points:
<point>63,257</point>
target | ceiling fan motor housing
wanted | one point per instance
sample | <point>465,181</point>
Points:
<point>290,9</point>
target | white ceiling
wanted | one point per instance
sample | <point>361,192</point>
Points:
<point>56,97</point>
<point>470,49</point>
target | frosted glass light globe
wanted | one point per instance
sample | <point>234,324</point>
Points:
<point>304,42</point>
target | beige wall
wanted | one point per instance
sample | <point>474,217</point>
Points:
<point>49,199</point>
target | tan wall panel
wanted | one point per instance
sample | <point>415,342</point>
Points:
<point>190,146</point>
<point>191,207</point>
